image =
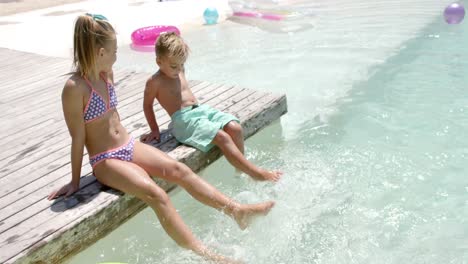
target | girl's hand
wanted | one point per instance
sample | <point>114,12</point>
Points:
<point>67,189</point>
<point>154,135</point>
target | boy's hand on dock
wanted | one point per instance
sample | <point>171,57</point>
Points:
<point>154,135</point>
<point>67,190</point>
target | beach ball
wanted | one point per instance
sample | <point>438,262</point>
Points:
<point>454,13</point>
<point>211,15</point>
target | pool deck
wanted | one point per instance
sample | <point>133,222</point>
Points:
<point>35,156</point>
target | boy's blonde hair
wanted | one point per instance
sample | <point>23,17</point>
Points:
<point>171,45</point>
<point>92,32</point>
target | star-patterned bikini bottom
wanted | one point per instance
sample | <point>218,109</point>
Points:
<point>124,152</point>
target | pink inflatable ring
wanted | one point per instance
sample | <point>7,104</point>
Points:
<point>147,36</point>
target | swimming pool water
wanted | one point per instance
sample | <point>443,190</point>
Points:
<point>373,146</point>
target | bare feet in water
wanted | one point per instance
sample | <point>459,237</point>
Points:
<point>268,175</point>
<point>245,213</point>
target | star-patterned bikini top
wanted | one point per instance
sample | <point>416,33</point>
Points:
<point>97,106</point>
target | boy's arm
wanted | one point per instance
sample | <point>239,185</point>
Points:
<point>148,100</point>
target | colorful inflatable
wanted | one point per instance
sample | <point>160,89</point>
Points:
<point>147,36</point>
<point>258,15</point>
<point>269,15</point>
<point>273,15</point>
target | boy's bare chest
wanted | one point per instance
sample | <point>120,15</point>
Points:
<point>176,92</point>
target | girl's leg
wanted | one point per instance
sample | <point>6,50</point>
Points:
<point>234,130</point>
<point>158,163</point>
<point>131,179</point>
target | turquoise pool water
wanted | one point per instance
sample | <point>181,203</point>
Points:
<point>373,147</point>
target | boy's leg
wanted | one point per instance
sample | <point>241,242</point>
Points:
<point>234,130</point>
<point>237,159</point>
<point>159,164</point>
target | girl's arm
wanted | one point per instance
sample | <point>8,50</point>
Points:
<point>72,104</point>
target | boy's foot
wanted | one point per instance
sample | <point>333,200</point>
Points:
<point>269,175</point>
<point>245,213</point>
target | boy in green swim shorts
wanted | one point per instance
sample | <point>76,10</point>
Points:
<point>194,124</point>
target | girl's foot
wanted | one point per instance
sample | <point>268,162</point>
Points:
<point>245,213</point>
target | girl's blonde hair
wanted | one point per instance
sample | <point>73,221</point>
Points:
<point>171,45</point>
<point>92,32</point>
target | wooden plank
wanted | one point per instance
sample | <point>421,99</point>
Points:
<point>21,181</point>
<point>22,193</point>
<point>11,222</point>
<point>46,90</point>
<point>31,113</point>
<point>62,140</point>
<point>33,76</point>
<point>43,91</point>
<point>7,222</point>
<point>37,205</point>
<point>43,97</point>
<point>38,116</point>
<point>9,54</point>
<point>55,155</point>
<point>48,224</point>
<point>30,77</point>
<point>23,61</point>
<point>55,112</point>
<point>16,143</point>
<point>27,61</point>
<point>23,140</point>
<point>33,229</point>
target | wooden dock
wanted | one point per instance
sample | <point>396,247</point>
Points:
<point>35,156</point>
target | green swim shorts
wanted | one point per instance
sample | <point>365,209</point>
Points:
<point>197,125</point>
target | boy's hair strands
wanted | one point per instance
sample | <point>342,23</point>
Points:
<point>170,44</point>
